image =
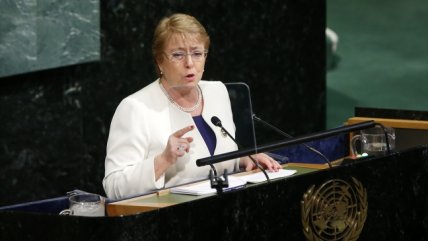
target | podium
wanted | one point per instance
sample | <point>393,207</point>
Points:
<point>392,205</point>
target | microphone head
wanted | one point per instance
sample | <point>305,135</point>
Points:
<point>216,121</point>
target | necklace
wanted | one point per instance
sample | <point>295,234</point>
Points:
<point>188,110</point>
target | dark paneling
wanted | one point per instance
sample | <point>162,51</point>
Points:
<point>396,196</point>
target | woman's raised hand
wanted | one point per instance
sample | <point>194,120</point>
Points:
<point>176,147</point>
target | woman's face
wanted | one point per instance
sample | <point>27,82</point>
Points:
<point>183,61</point>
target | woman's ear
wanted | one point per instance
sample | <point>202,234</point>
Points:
<point>158,63</point>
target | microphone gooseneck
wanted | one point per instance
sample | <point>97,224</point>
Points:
<point>290,136</point>
<point>217,122</point>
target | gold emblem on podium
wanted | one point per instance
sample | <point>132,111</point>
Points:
<point>336,210</point>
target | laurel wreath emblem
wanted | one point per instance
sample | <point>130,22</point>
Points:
<point>336,210</point>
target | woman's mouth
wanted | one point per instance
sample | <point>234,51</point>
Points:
<point>190,76</point>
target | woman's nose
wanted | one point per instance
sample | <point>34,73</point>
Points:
<point>188,60</point>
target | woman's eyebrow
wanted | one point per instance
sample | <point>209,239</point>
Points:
<point>191,48</point>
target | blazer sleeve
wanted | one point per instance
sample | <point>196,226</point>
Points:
<point>129,170</point>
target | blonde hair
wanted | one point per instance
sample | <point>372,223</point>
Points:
<point>177,23</point>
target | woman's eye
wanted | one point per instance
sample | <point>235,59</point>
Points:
<point>177,55</point>
<point>197,54</point>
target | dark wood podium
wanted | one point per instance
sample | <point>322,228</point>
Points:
<point>383,198</point>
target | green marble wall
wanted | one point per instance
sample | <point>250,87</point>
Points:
<point>36,35</point>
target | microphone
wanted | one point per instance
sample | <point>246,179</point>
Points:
<point>217,122</point>
<point>289,136</point>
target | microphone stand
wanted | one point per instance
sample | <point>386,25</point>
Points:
<point>218,182</point>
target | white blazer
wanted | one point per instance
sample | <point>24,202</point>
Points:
<point>140,129</point>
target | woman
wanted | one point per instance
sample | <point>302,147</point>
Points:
<point>159,132</point>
